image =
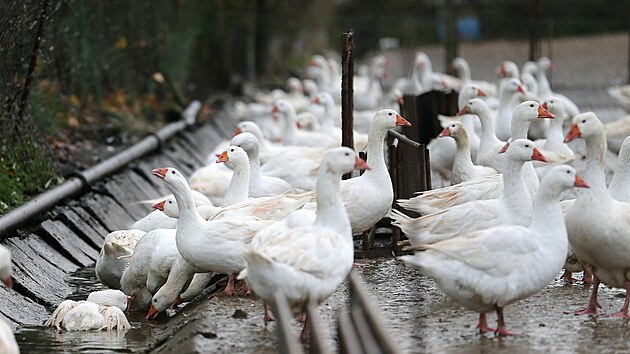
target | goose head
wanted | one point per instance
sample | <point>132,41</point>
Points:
<point>310,87</point>
<point>234,156</point>
<point>294,85</point>
<point>387,119</point>
<point>555,106</point>
<point>5,267</point>
<point>544,64</point>
<point>468,92</point>
<point>512,86</point>
<point>456,130</point>
<point>563,177</point>
<point>342,160</point>
<point>248,142</point>
<point>475,106</point>
<point>283,108</point>
<point>247,126</point>
<point>109,297</point>
<point>325,99</point>
<point>584,125</point>
<point>508,69</point>
<point>530,110</point>
<point>422,61</point>
<point>168,206</point>
<point>173,179</point>
<point>522,150</point>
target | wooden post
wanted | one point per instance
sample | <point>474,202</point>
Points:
<point>534,35</point>
<point>347,103</point>
<point>452,36</point>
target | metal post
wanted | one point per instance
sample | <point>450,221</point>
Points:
<point>347,103</point>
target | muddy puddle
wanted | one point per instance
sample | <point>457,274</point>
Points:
<point>414,312</point>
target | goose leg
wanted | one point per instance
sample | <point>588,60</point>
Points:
<point>304,333</point>
<point>593,306</point>
<point>623,313</point>
<point>483,324</point>
<point>587,277</point>
<point>501,328</point>
<point>229,288</point>
<point>267,317</point>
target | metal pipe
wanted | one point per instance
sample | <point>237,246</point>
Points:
<point>79,181</point>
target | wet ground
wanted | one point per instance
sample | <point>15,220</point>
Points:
<point>413,311</point>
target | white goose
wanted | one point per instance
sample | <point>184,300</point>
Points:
<point>619,187</point>
<point>509,88</point>
<point>514,208</point>
<point>101,310</point>
<point>376,180</point>
<point>114,256</point>
<point>5,267</point>
<point>308,263</point>
<point>208,246</point>
<point>147,264</point>
<point>8,344</point>
<point>236,158</point>
<point>544,89</point>
<point>597,224</point>
<point>333,115</point>
<point>259,186</point>
<point>487,270</point>
<point>463,167</point>
<point>443,150</point>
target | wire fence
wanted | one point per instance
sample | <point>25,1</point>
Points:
<point>68,66</point>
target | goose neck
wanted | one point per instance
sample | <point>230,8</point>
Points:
<point>330,210</point>
<point>185,201</point>
<point>595,149</point>
<point>554,132</point>
<point>462,155</point>
<point>520,127</point>
<point>238,191</point>
<point>488,133</point>
<point>375,145</point>
<point>547,217</point>
<point>514,187</point>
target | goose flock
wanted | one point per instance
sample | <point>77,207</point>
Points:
<point>270,211</point>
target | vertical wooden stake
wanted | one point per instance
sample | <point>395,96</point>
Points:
<point>347,103</point>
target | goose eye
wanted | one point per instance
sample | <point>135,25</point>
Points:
<point>584,121</point>
<point>347,154</point>
<point>390,113</point>
<point>231,150</point>
<point>526,145</point>
<point>568,171</point>
<point>531,105</point>
<point>173,172</point>
<point>170,202</point>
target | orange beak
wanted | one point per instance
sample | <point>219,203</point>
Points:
<point>316,101</point>
<point>544,113</point>
<point>521,89</point>
<point>360,164</point>
<point>504,148</point>
<point>237,132</point>
<point>275,109</point>
<point>579,182</point>
<point>538,156</point>
<point>544,105</point>
<point>463,111</point>
<point>223,157</point>
<point>480,93</point>
<point>152,314</point>
<point>402,121</point>
<point>501,71</point>
<point>299,125</point>
<point>553,66</point>
<point>160,172</point>
<point>158,206</point>
<point>573,133</point>
<point>8,282</point>
<point>445,132</point>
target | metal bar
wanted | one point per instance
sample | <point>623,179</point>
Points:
<point>287,340</point>
<point>347,103</point>
<point>359,294</point>
<point>393,168</point>
<point>348,338</point>
<point>317,340</point>
<point>427,169</point>
<point>81,180</point>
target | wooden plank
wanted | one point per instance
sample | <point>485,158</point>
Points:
<point>36,244</point>
<point>109,213</point>
<point>79,250</point>
<point>21,310</point>
<point>84,228</point>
